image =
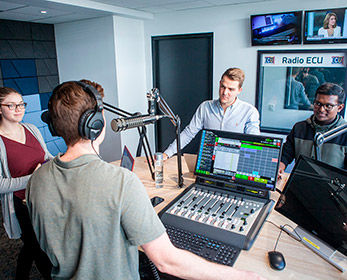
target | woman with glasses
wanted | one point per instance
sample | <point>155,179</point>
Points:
<point>22,151</point>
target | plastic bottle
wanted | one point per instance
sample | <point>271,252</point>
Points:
<point>158,170</point>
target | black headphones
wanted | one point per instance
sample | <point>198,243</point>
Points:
<point>91,122</point>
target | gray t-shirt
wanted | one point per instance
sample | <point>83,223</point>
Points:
<point>89,217</point>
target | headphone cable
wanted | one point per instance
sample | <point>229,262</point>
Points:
<point>95,150</point>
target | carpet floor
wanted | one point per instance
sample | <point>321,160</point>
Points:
<point>9,250</point>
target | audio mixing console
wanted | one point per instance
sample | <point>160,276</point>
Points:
<point>227,216</point>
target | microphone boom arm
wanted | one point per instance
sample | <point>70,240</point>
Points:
<point>143,141</point>
<point>320,138</point>
<point>176,121</point>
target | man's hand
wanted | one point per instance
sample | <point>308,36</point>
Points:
<point>165,156</point>
<point>281,169</point>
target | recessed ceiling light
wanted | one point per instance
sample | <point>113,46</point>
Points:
<point>43,12</point>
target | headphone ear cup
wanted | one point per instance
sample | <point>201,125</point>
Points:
<point>46,117</point>
<point>90,124</point>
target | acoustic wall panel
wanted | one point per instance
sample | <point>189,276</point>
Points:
<point>28,64</point>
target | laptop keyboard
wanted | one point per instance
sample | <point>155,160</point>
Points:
<point>207,248</point>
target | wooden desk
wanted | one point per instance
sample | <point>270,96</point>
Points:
<point>301,262</point>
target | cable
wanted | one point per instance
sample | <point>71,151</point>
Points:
<point>96,151</point>
<point>154,270</point>
<point>281,228</point>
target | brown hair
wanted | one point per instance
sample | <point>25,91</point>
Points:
<point>235,74</point>
<point>326,20</point>
<point>4,91</point>
<point>66,105</point>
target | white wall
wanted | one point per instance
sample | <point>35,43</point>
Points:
<point>85,49</point>
<point>231,28</point>
<point>116,52</point>
<point>131,75</point>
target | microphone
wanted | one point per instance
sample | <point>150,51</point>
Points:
<point>152,97</point>
<point>121,124</point>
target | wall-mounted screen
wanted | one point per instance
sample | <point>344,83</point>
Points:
<point>276,29</point>
<point>325,26</point>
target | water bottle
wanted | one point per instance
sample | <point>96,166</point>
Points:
<point>158,170</point>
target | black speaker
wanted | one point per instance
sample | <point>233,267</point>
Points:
<point>91,122</point>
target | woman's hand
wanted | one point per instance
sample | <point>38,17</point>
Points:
<point>37,167</point>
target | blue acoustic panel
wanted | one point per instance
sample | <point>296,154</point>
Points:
<point>48,135</point>
<point>42,130</point>
<point>44,97</point>
<point>34,103</point>
<point>55,145</point>
<point>17,68</point>
<point>8,69</point>
<point>25,67</point>
<point>24,86</point>
<point>61,145</point>
<point>52,148</point>
<point>0,73</point>
<point>33,118</point>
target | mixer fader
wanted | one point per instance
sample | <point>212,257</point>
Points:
<point>229,215</point>
<point>230,212</point>
<point>230,199</point>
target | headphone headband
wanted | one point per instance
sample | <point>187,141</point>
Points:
<point>91,122</point>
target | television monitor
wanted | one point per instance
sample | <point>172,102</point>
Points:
<point>315,198</point>
<point>276,29</point>
<point>317,21</point>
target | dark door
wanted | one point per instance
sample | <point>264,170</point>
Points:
<point>182,71</point>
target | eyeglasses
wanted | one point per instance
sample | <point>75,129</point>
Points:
<point>13,106</point>
<point>327,107</point>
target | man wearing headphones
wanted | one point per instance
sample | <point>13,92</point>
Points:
<point>89,216</point>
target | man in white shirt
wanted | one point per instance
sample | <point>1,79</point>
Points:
<point>226,113</point>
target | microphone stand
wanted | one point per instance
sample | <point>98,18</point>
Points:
<point>143,141</point>
<point>176,121</point>
<point>320,138</point>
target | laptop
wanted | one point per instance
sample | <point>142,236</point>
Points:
<point>127,160</point>
<point>229,200</point>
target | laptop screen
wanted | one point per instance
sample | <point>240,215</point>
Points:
<point>245,159</point>
<point>127,160</point>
